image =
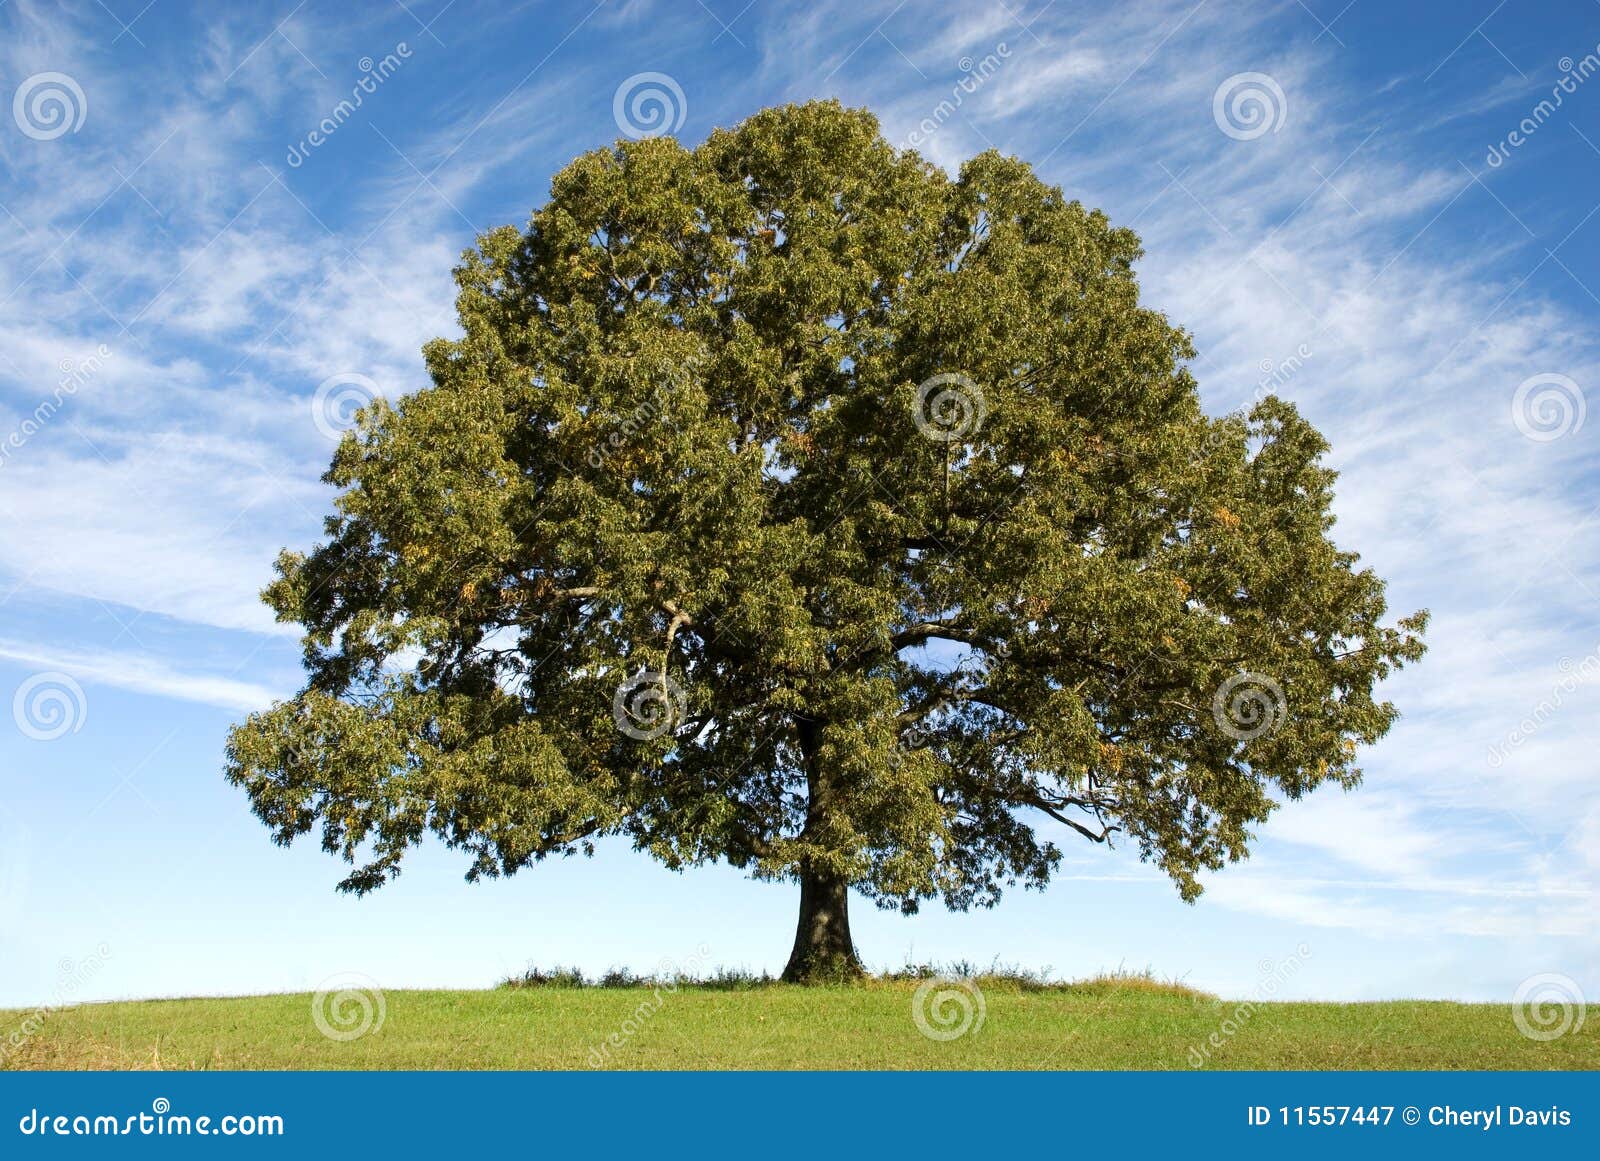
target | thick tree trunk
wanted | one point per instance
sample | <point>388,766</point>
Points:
<point>823,949</point>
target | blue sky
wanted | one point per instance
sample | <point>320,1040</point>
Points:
<point>174,288</point>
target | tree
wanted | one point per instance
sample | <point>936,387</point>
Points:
<point>788,502</point>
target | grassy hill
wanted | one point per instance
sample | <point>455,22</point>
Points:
<point>1113,1023</point>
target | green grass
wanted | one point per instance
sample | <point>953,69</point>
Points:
<point>1116,1022</point>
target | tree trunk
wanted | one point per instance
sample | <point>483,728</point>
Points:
<point>823,950</point>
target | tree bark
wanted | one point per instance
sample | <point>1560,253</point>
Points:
<point>823,950</point>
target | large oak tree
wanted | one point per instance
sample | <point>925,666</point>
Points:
<point>789,502</point>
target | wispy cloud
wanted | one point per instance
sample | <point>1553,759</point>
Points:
<point>141,674</point>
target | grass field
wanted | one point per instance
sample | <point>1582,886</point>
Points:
<point>1110,1024</point>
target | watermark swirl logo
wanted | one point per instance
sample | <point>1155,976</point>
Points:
<point>948,1009</point>
<point>348,1006</point>
<point>1547,1006</point>
<point>648,705</point>
<point>1547,407</point>
<point>49,105</point>
<point>649,105</point>
<point>49,706</point>
<point>1248,705</point>
<point>1249,105</point>
<point>338,399</point>
<point>949,407</point>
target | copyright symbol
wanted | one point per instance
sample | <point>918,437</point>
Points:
<point>1411,1116</point>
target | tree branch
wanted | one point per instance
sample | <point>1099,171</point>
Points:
<point>929,630</point>
<point>1106,831</point>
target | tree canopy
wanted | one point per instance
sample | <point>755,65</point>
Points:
<point>790,502</point>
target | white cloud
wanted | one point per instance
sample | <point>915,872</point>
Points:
<point>181,524</point>
<point>142,674</point>
<point>1372,830</point>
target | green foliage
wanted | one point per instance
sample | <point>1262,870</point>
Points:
<point>556,977</point>
<point>682,435</point>
<point>723,979</point>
